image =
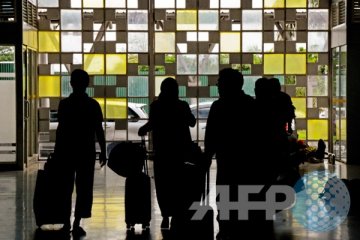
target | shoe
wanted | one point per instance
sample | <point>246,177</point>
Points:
<point>78,231</point>
<point>165,223</point>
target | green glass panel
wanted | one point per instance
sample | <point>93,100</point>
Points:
<point>138,86</point>
<point>182,91</point>
<point>65,86</point>
<point>295,63</point>
<point>99,81</point>
<point>273,64</point>
<point>203,81</point>
<point>317,129</point>
<point>120,92</point>
<point>110,80</point>
<point>214,91</point>
<point>90,91</point>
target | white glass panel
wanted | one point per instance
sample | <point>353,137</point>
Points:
<point>230,3</point>
<point>164,3</point>
<point>252,41</point>
<point>75,3</point>
<point>182,47</point>
<point>204,36</point>
<point>180,3</point>
<point>137,20</point>
<point>77,58</point>
<point>318,41</point>
<point>132,3</point>
<point>318,19</point>
<point>208,64</point>
<point>120,47</point>
<point>186,64</point>
<point>214,3</point>
<point>71,41</point>
<point>48,3</point>
<point>71,19</point>
<point>115,3</point>
<point>317,86</point>
<point>252,19</point>
<point>257,3</point>
<point>191,36</point>
<point>138,42</point>
<point>208,20</point>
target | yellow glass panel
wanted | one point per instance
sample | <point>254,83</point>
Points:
<point>229,42</point>
<point>317,129</point>
<point>186,20</point>
<point>300,105</point>
<point>49,41</point>
<point>93,3</point>
<point>49,86</point>
<point>295,63</point>
<point>296,3</point>
<point>273,64</point>
<point>343,129</point>
<point>116,108</point>
<point>116,64</point>
<point>94,63</point>
<point>274,3</point>
<point>165,42</point>
<point>301,134</point>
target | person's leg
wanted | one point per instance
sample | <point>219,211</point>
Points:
<point>84,193</point>
<point>67,185</point>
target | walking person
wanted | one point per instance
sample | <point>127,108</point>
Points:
<point>169,122</point>
<point>80,124</point>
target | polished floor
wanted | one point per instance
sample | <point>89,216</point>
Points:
<point>18,223</point>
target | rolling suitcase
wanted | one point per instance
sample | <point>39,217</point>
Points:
<point>49,201</point>
<point>138,199</point>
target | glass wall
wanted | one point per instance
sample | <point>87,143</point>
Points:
<point>339,56</point>
<point>128,47</point>
<point>7,105</point>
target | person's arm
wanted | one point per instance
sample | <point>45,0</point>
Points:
<point>190,118</point>
<point>100,136</point>
<point>147,127</point>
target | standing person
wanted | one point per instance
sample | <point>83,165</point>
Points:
<point>233,142</point>
<point>169,121</point>
<point>80,124</point>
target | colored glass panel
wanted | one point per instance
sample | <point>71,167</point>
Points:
<point>295,63</point>
<point>186,20</point>
<point>165,42</point>
<point>296,3</point>
<point>49,41</point>
<point>274,3</point>
<point>273,64</point>
<point>116,64</point>
<point>300,107</point>
<point>49,86</point>
<point>94,63</point>
<point>317,129</point>
<point>229,42</point>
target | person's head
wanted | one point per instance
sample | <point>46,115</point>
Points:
<point>79,80</point>
<point>169,88</point>
<point>275,86</point>
<point>230,82</point>
<point>261,88</point>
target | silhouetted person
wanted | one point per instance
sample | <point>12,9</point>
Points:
<point>169,122</point>
<point>80,124</point>
<point>286,109</point>
<point>233,141</point>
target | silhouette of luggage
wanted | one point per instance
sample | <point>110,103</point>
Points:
<point>49,198</point>
<point>126,158</point>
<point>353,187</point>
<point>138,197</point>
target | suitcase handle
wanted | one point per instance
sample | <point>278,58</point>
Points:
<point>146,167</point>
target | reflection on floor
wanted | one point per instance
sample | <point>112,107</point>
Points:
<point>18,223</point>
